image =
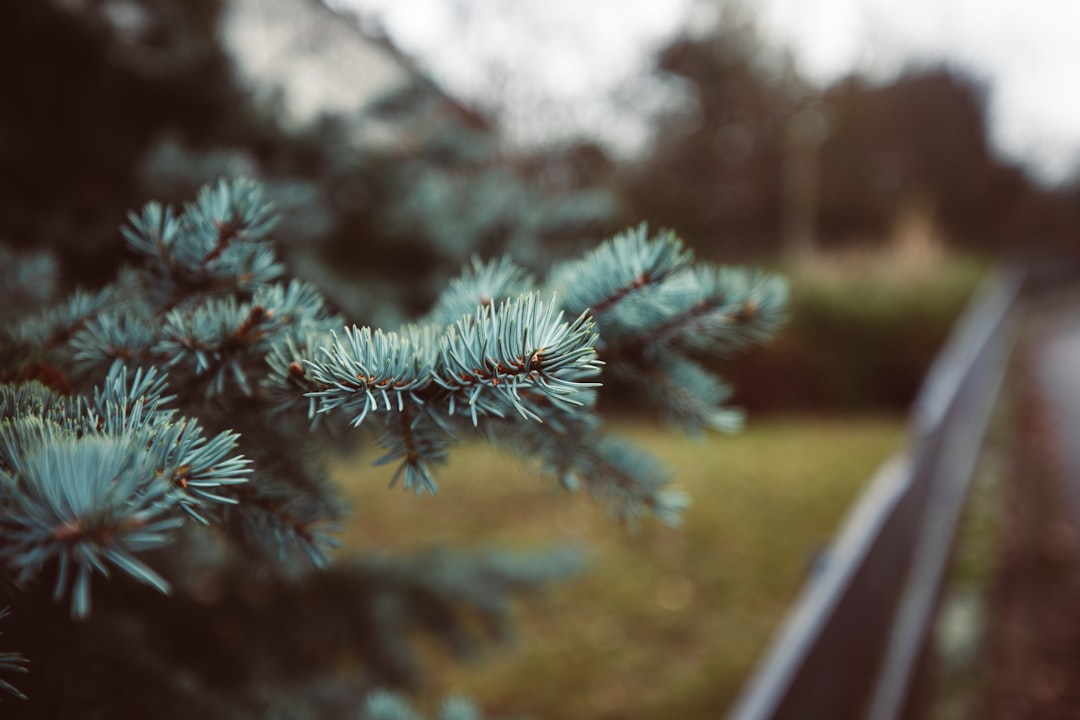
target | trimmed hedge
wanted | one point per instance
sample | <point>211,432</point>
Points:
<point>858,341</point>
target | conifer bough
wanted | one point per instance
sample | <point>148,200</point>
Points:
<point>191,392</point>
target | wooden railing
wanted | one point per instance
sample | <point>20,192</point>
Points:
<point>855,643</point>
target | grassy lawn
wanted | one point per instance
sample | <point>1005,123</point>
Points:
<point>668,622</point>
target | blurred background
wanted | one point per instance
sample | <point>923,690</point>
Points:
<point>882,154</point>
<point>913,141</point>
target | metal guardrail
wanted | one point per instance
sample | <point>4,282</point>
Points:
<point>855,642</point>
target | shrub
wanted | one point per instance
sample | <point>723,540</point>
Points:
<point>856,342</point>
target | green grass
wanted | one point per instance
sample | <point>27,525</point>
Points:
<point>668,622</point>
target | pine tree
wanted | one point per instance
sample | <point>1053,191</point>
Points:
<point>166,523</point>
<point>381,226</point>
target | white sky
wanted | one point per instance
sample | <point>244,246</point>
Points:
<point>1027,50</point>
<point>556,53</point>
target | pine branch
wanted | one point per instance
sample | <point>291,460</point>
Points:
<point>721,310</point>
<point>92,481</point>
<point>626,265</point>
<point>11,662</point>
<point>516,349</point>
<point>581,456</point>
<point>83,503</point>
<point>692,396</point>
<point>124,337</point>
<point>276,520</point>
<point>56,326</point>
<point>479,285</point>
<point>372,370</point>
<point>89,484</point>
<point>487,353</point>
<point>215,247</point>
<point>419,442</point>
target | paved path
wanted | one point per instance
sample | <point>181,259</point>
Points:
<point>1057,367</point>
<point>1032,634</point>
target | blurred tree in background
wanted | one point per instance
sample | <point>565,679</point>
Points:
<point>118,102</point>
<point>716,171</point>
<point>91,87</point>
<point>756,162</point>
<point>722,168</point>
<point>924,134</point>
<point>449,192</point>
<point>382,223</point>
